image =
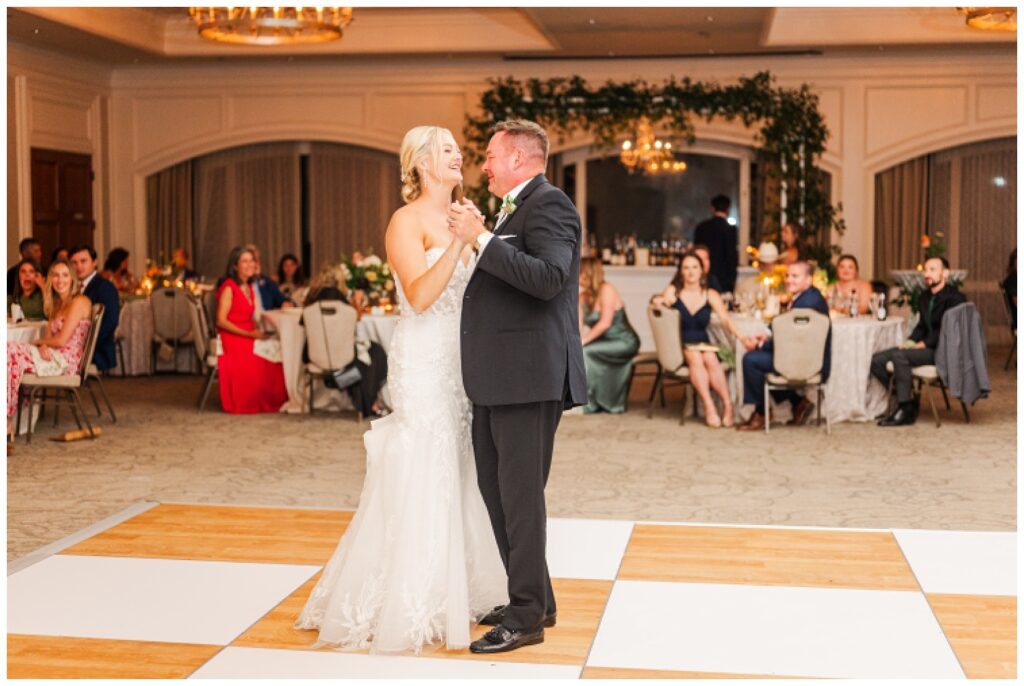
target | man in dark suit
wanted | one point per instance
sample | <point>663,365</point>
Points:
<point>181,269</point>
<point>937,297</point>
<point>758,360</point>
<point>722,240</point>
<point>99,290</point>
<point>271,297</point>
<point>522,364</point>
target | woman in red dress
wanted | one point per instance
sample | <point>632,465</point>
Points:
<point>248,383</point>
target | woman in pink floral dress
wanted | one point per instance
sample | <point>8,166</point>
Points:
<point>69,314</point>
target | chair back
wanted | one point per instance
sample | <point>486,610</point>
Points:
<point>1007,310</point>
<point>90,341</point>
<point>201,337</point>
<point>172,318</point>
<point>668,340</point>
<point>799,343</point>
<point>330,333</point>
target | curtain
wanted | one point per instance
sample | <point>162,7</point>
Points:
<point>250,194</point>
<point>351,194</point>
<point>901,215</point>
<point>985,225</point>
<point>169,211</point>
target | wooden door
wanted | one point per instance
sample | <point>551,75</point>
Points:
<point>61,199</point>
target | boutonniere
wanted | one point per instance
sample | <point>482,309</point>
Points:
<point>508,206</point>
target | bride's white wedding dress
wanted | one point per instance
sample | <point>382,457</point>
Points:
<point>418,564</point>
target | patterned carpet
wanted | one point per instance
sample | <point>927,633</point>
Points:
<point>959,477</point>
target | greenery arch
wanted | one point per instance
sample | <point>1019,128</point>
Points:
<point>790,137</point>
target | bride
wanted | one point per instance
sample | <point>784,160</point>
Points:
<point>418,564</point>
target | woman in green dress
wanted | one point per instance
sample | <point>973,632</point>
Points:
<point>28,293</point>
<point>609,344</point>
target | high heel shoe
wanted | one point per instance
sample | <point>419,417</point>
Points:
<point>729,420</point>
<point>713,420</point>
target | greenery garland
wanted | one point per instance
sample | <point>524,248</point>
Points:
<point>790,140</point>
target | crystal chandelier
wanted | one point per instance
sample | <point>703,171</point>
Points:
<point>271,25</point>
<point>991,18</point>
<point>648,155</point>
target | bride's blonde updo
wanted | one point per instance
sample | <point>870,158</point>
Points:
<point>421,144</point>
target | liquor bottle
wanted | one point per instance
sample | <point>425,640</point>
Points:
<point>853,303</point>
<point>880,313</point>
<point>630,251</point>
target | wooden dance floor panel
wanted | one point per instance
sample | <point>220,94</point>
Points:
<point>213,592</point>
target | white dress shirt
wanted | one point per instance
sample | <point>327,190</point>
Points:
<point>486,236</point>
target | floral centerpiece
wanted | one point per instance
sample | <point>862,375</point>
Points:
<point>370,274</point>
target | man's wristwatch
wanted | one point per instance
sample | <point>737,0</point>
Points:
<point>476,242</point>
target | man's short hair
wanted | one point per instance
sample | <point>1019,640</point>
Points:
<point>86,247</point>
<point>529,135</point>
<point>808,269</point>
<point>721,203</point>
<point>26,244</point>
<point>945,262</point>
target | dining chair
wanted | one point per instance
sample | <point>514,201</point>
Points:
<point>798,355</point>
<point>93,374</point>
<point>643,359</point>
<point>672,365</point>
<point>207,349</point>
<point>172,321</point>
<point>330,340</point>
<point>65,385</point>
<point>1011,324</point>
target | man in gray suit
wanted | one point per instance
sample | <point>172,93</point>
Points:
<point>522,364</point>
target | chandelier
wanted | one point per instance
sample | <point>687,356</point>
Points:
<point>271,25</point>
<point>991,18</point>
<point>648,155</point>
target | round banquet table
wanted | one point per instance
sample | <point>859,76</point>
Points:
<point>852,394</point>
<point>25,331</point>
<point>292,334</point>
<point>135,327</point>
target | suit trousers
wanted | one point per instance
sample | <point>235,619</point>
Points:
<point>513,446</point>
<point>757,364</point>
<point>903,362</point>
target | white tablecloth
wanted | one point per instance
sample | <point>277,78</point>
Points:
<point>375,328</point>
<point>136,325</point>
<point>853,395</point>
<point>25,332</point>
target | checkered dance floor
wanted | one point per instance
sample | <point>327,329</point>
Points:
<point>211,591</point>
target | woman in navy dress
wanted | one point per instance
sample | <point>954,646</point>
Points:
<point>689,294</point>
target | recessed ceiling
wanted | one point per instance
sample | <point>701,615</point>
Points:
<point>127,35</point>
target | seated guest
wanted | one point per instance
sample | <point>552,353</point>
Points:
<point>248,383</point>
<point>1009,286</point>
<point>98,290</point>
<point>792,245</point>
<point>269,295</point>
<point>181,269</point>
<point>27,294</point>
<point>60,352</point>
<point>330,285</point>
<point>60,253</point>
<point>758,360</point>
<point>767,256</point>
<point>705,259</point>
<point>937,297</point>
<point>849,282</point>
<point>115,270</point>
<point>30,250</point>
<point>609,345</point>
<point>690,294</point>
<point>290,275</point>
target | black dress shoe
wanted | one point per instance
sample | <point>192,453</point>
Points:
<point>904,416</point>
<point>501,639</point>
<point>497,616</point>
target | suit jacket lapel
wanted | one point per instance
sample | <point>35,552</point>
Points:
<point>520,199</point>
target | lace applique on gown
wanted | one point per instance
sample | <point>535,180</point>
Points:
<point>418,564</point>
